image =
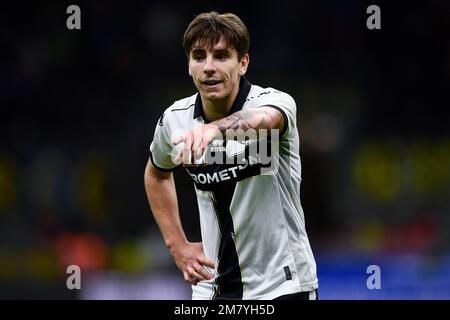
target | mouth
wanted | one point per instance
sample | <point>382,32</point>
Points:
<point>211,83</point>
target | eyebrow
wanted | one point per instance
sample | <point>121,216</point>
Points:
<point>219,51</point>
<point>197,50</point>
<point>222,51</point>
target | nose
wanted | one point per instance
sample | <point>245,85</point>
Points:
<point>209,67</point>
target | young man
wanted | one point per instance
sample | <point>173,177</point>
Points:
<point>254,243</point>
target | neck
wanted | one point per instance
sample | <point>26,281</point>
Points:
<point>218,109</point>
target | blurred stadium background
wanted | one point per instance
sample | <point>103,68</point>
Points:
<point>78,111</point>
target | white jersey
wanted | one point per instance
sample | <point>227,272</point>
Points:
<point>252,224</point>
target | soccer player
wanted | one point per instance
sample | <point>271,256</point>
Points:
<point>254,243</point>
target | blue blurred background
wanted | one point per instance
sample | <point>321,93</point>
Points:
<point>79,108</point>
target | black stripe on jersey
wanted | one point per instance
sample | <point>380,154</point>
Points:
<point>229,282</point>
<point>181,109</point>
<point>213,201</point>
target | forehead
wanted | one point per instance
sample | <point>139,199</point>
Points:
<point>205,44</point>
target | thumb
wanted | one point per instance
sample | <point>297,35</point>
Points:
<point>177,140</point>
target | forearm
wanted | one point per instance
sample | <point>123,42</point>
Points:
<point>256,118</point>
<point>162,197</point>
<point>241,125</point>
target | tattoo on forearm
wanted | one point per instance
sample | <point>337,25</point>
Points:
<point>248,119</point>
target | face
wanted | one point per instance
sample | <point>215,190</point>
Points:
<point>216,71</point>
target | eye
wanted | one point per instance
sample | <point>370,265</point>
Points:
<point>198,55</point>
<point>221,56</point>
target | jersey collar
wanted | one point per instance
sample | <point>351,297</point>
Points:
<point>244,89</point>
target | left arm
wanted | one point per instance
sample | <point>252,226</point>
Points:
<point>196,141</point>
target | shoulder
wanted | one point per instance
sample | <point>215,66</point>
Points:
<point>258,95</point>
<point>180,109</point>
<point>183,104</point>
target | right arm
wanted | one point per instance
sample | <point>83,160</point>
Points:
<point>161,194</point>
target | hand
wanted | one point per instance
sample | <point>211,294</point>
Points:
<point>190,259</point>
<point>194,142</point>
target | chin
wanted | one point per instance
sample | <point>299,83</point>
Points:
<point>214,95</point>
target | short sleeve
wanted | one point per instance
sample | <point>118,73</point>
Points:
<point>161,147</point>
<point>284,103</point>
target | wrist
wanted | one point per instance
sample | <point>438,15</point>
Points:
<point>214,126</point>
<point>174,244</point>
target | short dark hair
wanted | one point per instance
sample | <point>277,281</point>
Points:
<point>207,29</point>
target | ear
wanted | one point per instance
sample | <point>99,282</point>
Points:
<point>244,64</point>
